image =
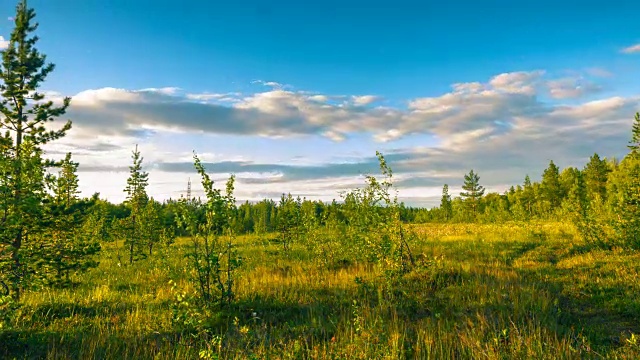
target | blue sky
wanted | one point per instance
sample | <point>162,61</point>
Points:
<point>383,76</point>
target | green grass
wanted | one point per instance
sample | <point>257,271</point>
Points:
<point>485,292</point>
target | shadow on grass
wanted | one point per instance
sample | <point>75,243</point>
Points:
<point>83,344</point>
<point>602,312</point>
<point>47,313</point>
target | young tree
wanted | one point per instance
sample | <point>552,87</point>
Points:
<point>289,220</point>
<point>213,261</point>
<point>66,245</point>
<point>25,118</point>
<point>473,191</point>
<point>66,189</point>
<point>136,200</point>
<point>445,203</point>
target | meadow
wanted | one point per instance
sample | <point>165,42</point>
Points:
<point>511,291</point>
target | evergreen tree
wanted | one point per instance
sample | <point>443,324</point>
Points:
<point>528,196</point>
<point>551,187</point>
<point>473,191</point>
<point>624,192</point>
<point>445,203</point>
<point>25,117</point>
<point>66,190</point>
<point>596,174</point>
<point>137,200</point>
<point>65,246</point>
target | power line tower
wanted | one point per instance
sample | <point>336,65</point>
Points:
<point>189,190</point>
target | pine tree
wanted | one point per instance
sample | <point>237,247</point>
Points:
<point>137,200</point>
<point>445,203</point>
<point>473,191</point>
<point>25,118</point>
<point>68,245</point>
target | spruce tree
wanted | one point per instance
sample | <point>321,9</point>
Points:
<point>528,196</point>
<point>473,191</point>
<point>445,203</point>
<point>25,118</point>
<point>551,187</point>
<point>136,200</point>
<point>596,174</point>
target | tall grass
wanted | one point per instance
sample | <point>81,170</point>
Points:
<point>513,291</point>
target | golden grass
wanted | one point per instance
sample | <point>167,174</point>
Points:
<point>512,291</point>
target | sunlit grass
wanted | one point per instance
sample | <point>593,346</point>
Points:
<point>512,291</point>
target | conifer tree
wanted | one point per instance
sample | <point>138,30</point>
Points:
<point>624,192</point>
<point>68,246</point>
<point>528,196</point>
<point>25,117</point>
<point>66,190</point>
<point>551,188</point>
<point>445,203</point>
<point>473,191</point>
<point>596,174</point>
<point>136,200</point>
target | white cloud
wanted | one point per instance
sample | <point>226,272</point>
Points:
<point>631,49</point>
<point>571,88</point>
<point>3,43</point>
<point>365,99</point>
<point>502,127</point>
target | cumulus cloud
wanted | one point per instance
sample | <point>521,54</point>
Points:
<point>504,127</point>
<point>631,49</point>
<point>3,43</point>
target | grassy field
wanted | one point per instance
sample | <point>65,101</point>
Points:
<point>483,292</point>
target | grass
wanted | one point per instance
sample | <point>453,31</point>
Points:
<point>514,291</point>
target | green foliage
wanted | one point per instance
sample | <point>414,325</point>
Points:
<point>213,260</point>
<point>624,200</point>
<point>289,220</point>
<point>24,126</point>
<point>634,143</point>
<point>445,203</point>
<point>374,232</point>
<point>134,229</point>
<point>551,188</point>
<point>473,191</point>
<point>67,245</point>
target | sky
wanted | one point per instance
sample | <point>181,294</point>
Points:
<point>294,96</point>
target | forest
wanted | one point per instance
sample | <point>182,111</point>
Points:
<point>545,270</point>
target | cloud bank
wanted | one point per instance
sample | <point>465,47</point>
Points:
<point>504,127</point>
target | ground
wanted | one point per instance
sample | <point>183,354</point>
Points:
<point>511,291</point>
